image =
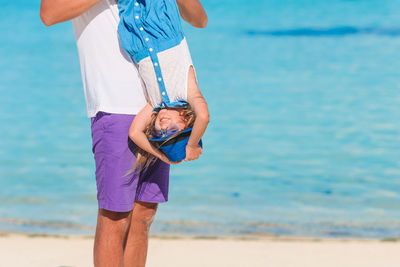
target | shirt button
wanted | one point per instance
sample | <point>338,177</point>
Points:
<point>163,93</point>
<point>136,17</point>
<point>147,39</point>
<point>159,79</point>
<point>136,4</point>
<point>141,28</point>
<point>155,64</point>
<point>151,49</point>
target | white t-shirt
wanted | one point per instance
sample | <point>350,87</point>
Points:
<point>110,79</point>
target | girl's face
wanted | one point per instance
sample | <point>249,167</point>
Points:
<point>167,117</point>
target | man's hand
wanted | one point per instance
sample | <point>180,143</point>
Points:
<point>193,12</point>
<point>193,152</point>
<point>56,11</point>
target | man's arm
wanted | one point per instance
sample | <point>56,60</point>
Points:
<point>56,11</point>
<point>193,12</point>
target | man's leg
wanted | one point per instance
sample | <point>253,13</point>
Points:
<point>115,189</point>
<point>111,231</point>
<point>118,189</point>
<point>136,244</point>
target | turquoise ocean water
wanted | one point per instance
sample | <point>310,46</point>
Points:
<point>304,136</point>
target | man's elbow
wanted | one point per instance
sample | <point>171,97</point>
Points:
<point>46,21</point>
<point>202,23</point>
<point>46,16</point>
<point>198,22</point>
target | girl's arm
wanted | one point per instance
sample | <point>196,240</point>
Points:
<point>193,12</point>
<point>199,106</point>
<point>137,135</point>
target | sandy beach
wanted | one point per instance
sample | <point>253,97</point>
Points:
<point>20,250</point>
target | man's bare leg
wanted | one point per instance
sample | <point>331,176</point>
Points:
<point>135,251</point>
<point>111,230</point>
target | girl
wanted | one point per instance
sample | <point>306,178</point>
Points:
<point>150,31</point>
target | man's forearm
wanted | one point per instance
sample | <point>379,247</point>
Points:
<point>56,11</point>
<point>193,12</point>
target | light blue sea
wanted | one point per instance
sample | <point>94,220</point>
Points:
<point>304,137</point>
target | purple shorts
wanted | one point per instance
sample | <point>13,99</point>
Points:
<point>114,157</point>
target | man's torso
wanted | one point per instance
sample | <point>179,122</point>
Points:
<point>110,79</point>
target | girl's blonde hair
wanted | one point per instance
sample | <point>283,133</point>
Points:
<point>143,158</point>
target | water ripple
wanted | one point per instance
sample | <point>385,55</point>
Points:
<point>326,32</point>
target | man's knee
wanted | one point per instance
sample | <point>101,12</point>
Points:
<point>113,221</point>
<point>144,213</point>
<point>114,215</point>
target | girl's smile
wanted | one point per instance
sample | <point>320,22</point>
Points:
<point>167,116</point>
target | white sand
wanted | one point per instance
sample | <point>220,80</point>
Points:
<point>51,251</point>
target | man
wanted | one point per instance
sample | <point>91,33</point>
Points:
<point>113,94</point>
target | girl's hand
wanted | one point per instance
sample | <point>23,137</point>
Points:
<point>193,152</point>
<point>166,159</point>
